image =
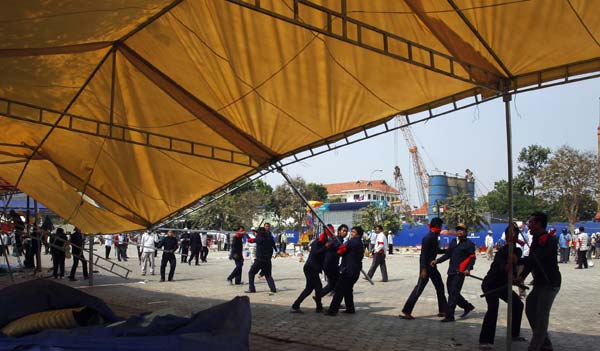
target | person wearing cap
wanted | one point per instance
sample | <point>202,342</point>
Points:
<point>494,287</point>
<point>461,253</point>
<point>265,245</point>
<point>237,256</point>
<point>489,245</point>
<point>390,239</point>
<point>430,248</point>
<point>379,254</point>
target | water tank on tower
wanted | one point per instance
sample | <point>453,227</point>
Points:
<point>438,192</point>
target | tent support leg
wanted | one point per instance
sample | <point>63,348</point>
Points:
<point>305,200</point>
<point>5,252</point>
<point>507,98</point>
<point>91,261</point>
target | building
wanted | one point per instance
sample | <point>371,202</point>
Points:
<point>361,191</point>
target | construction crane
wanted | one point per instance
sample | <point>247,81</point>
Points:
<point>404,205</point>
<point>420,172</point>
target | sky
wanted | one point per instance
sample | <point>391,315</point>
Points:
<point>474,138</point>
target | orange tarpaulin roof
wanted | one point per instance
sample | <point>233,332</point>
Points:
<point>117,114</point>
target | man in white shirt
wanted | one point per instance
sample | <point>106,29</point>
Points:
<point>204,249</point>
<point>372,240</point>
<point>390,240</point>
<point>108,243</point>
<point>584,245</point>
<point>489,245</point>
<point>379,254</point>
<point>147,246</point>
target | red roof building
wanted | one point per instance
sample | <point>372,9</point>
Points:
<point>361,190</point>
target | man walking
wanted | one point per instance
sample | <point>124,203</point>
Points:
<point>195,247</point>
<point>563,243</point>
<point>264,252</point>
<point>184,242</point>
<point>462,259</point>
<point>379,254</point>
<point>77,243</point>
<point>312,269</point>
<point>542,263</point>
<point>390,240</point>
<point>108,243</point>
<point>204,249</point>
<point>237,256</point>
<point>147,243</point>
<point>430,247</point>
<point>489,245</point>
<point>584,246</point>
<point>169,246</point>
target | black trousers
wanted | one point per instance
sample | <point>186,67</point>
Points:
<point>184,253</point>
<point>390,249</point>
<point>436,279</point>
<point>582,259</point>
<point>564,255</point>
<point>263,265</point>
<point>333,276</point>
<point>170,258</point>
<point>454,284</point>
<point>107,251</point>
<point>203,253</point>
<point>488,328</point>
<point>378,261</point>
<point>313,282</point>
<point>76,260</point>
<point>195,254</point>
<point>237,271</point>
<point>58,265</point>
<point>344,290</point>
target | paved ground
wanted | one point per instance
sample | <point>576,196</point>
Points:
<point>575,322</point>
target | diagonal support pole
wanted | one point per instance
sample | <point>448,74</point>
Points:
<point>507,98</point>
<point>305,200</point>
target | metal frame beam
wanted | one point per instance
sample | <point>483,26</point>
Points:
<point>436,61</point>
<point>48,117</point>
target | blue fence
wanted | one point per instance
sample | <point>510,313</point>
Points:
<point>411,236</point>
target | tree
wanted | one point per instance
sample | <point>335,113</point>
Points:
<point>532,160</point>
<point>238,208</point>
<point>496,201</point>
<point>386,217</point>
<point>569,178</point>
<point>288,205</point>
<point>462,208</point>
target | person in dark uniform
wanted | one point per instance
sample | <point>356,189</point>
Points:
<point>494,286</point>
<point>542,262</point>
<point>77,243</point>
<point>184,242</point>
<point>58,241</point>
<point>461,253</point>
<point>430,248</point>
<point>195,247</point>
<point>169,246</point>
<point>352,253</point>
<point>19,227</point>
<point>312,269</point>
<point>331,265</point>
<point>264,252</point>
<point>237,256</point>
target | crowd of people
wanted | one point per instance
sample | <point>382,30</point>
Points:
<point>338,255</point>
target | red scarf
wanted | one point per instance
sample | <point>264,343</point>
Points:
<point>435,230</point>
<point>543,238</point>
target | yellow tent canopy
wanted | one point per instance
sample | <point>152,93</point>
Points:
<point>118,114</point>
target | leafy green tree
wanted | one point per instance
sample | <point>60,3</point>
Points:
<point>288,205</point>
<point>532,160</point>
<point>462,208</point>
<point>496,201</point>
<point>386,217</point>
<point>317,191</point>
<point>569,179</point>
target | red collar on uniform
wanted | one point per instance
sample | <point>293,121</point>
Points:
<point>435,229</point>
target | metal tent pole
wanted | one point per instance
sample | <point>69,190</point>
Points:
<point>4,247</point>
<point>90,261</point>
<point>507,98</point>
<point>315,214</point>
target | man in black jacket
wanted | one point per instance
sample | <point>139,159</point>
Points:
<point>77,253</point>
<point>264,252</point>
<point>352,254</point>
<point>184,242</point>
<point>543,264</point>
<point>430,247</point>
<point>461,253</point>
<point>494,286</point>
<point>331,264</point>
<point>237,256</point>
<point>312,269</point>
<point>169,246</point>
<point>195,247</point>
